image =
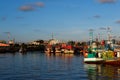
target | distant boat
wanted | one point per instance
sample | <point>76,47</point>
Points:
<point>22,50</point>
<point>4,45</point>
<point>49,50</point>
<point>66,51</point>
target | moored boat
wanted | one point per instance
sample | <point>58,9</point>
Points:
<point>91,55</point>
<point>22,50</point>
<point>68,51</point>
<point>95,55</point>
<point>4,47</point>
<point>51,51</point>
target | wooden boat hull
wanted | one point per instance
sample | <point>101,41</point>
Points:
<point>112,62</point>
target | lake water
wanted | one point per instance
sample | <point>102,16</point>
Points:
<point>41,66</point>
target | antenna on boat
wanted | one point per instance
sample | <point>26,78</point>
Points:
<point>102,28</point>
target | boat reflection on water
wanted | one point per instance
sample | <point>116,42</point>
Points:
<point>111,71</point>
<point>59,55</point>
<point>67,58</point>
<point>102,72</point>
<point>91,71</point>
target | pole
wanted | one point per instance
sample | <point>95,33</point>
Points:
<point>91,35</point>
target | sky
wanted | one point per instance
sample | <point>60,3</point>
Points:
<point>28,20</point>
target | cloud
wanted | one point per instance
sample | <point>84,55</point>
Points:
<point>97,16</point>
<point>118,21</point>
<point>26,8</point>
<point>31,6</point>
<point>39,4</point>
<point>107,1</point>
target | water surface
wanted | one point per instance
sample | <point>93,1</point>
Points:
<point>39,66</point>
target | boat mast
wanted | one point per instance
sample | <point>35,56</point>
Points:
<point>109,33</point>
<point>91,35</point>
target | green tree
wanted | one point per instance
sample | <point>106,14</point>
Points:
<point>2,41</point>
<point>40,41</point>
<point>71,43</point>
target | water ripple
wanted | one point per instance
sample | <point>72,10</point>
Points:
<point>38,66</point>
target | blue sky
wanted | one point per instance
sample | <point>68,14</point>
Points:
<point>28,20</point>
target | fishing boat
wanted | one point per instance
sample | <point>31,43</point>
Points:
<point>92,55</point>
<point>91,58</point>
<point>107,52</point>
<point>4,47</point>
